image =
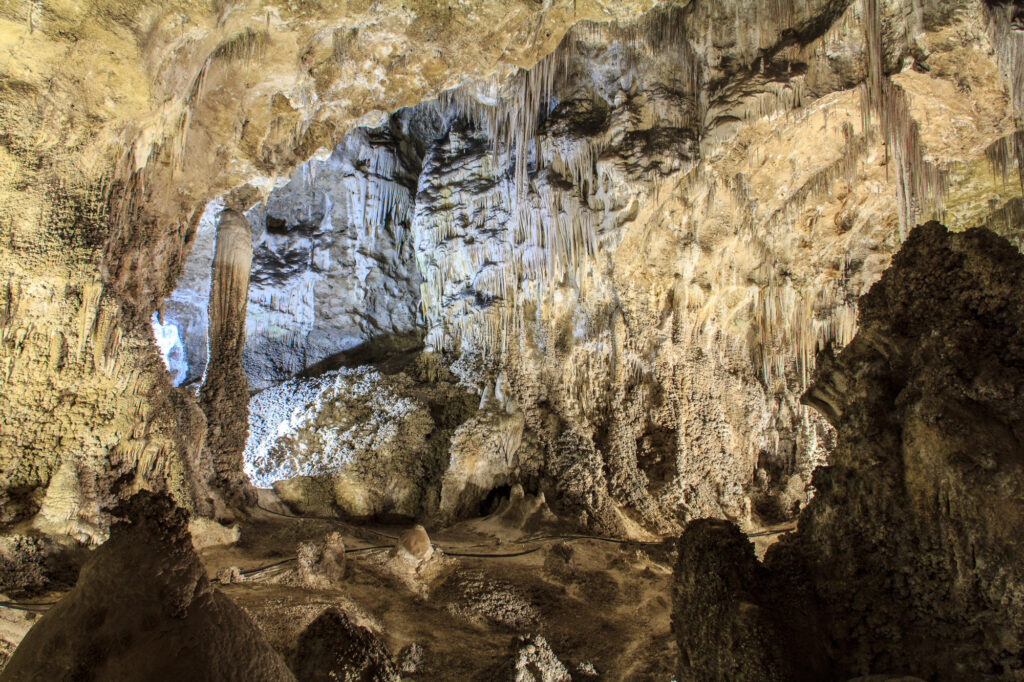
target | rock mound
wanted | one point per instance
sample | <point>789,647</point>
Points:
<point>333,647</point>
<point>143,610</point>
<point>907,561</point>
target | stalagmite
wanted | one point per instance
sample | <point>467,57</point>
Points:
<point>224,396</point>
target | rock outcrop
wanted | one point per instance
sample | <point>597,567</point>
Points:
<point>907,559</point>
<point>632,252</point>
<point>364,441</point>
<point>143,609</point>
<point>322,564</point>
<point>335,648</point>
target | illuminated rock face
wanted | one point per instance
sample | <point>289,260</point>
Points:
<point>642,242</point>
<point>639,243</point>
<point>333,264</point>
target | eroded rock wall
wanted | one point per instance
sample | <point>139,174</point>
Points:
<point>643,239</point>
<point>121,122</point>
<point>905,562</point>
<point>650,263</point>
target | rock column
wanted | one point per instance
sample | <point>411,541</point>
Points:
<point>225,393</point>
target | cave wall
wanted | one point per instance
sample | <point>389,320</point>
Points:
<point>652,262</point>
<point>639,243</point>
<point>121,121</point>
<point>907,560</point>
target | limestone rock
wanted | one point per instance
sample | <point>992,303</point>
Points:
<point>208,533</point>
<point>410,658</point>
<point>322,565</point>
<point>364,441</point>
<point>414,545</point>
<point>335,648</point>
<point>225,391</point>
<point>641,239</point>
<point>903,561</point>
<point>926,401</point>
<point>483,456</point>
<point>143,610</point>
<point>534,661</point>
<point>229,575</point>
<point>723,619</point>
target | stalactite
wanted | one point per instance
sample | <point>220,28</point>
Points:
<point>91,294</point>
<point>246,46</point>
<point>1004,153</point>
<point>921,186</point>
<point>786,320</point>
<point>1009,47</point>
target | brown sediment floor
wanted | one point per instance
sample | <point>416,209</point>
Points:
<point>602,603</point>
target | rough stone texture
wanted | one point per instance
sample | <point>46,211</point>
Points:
<point>322,565</point>
<point>699,212</point>
<point>484,455</point>
<point>906,560</point>
<point>143,609</point>
<point>333,265</point>
<point>224,396</point>
<point>414,545</point>
<point>638,294</point>
<point>926,576</point>
<point>644,238</point>
<point>333,647</point>
<point>364,440</point>
<point>121,122</point>
<point>410,658</point>
<point>726,620</point>
<point>534,661</point>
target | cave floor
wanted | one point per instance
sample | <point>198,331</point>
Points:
<point>602,606</point>
<point>595,602</point>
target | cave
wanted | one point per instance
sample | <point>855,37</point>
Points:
<point>528,341</point>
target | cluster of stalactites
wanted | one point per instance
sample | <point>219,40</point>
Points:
<point>1004,153</point>
<point>1008,42</point>
<point>552,236</point>
<point>514,121</point>
<point>245,47</point>
<point>789,321</point>
<point>921,185</point>
<point>378,198</point>
<point>477,278</point>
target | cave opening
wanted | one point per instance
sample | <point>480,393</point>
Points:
<point>494,499</point>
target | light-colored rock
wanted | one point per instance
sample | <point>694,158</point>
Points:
<point>322,565</point>
<point>534,661</point>
<point>229,575</point>
<point>208,533</point>
<point>414,545</point>
<point>640,243</point>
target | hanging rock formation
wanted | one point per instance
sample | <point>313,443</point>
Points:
<point>631,252</point>
<point>907,561</point>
